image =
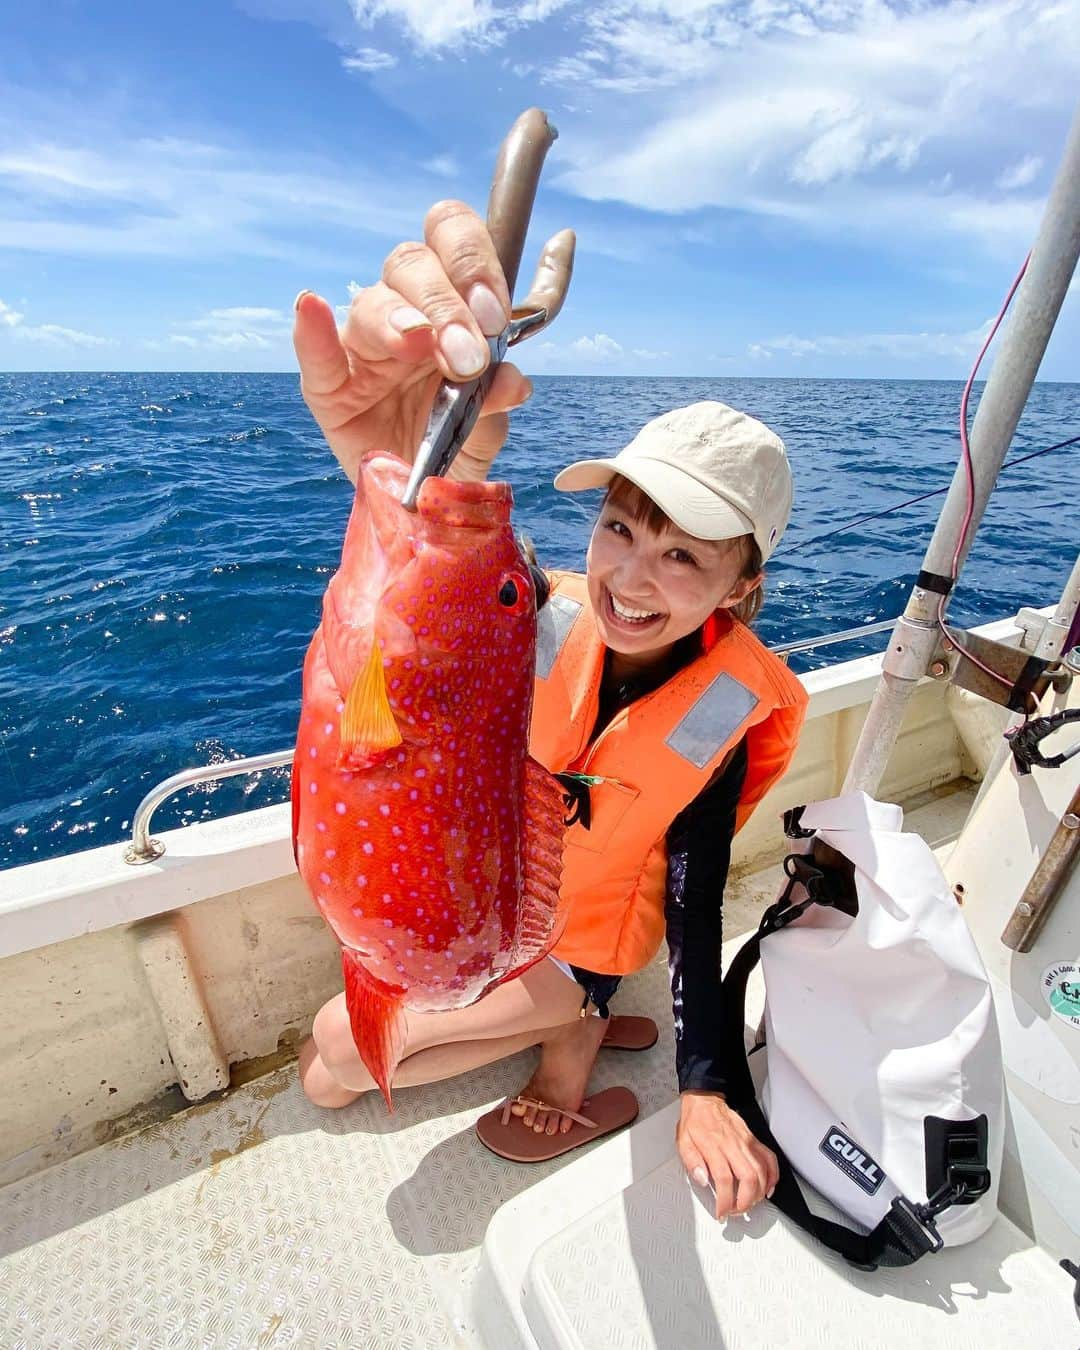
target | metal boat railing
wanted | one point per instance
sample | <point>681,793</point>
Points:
<point>845,635</point>
<point>144,849</point>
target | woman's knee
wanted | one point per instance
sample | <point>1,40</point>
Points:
<point>332,1034</point>
<point>320,1086</point>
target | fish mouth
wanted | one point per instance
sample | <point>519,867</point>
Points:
<point>464,505</point>
<point>440,501</point>
<point>626,618</point>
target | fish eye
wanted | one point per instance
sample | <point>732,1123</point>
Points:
<point>515,592</point>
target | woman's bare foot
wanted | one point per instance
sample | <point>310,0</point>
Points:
<point>566,1060</point>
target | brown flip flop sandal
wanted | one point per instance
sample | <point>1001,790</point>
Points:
<point>505,1134</point>
<point>630,1033</point>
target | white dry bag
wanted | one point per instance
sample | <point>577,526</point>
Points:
<point>884,1085</point>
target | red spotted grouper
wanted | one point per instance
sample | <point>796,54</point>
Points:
<point>429,839</point>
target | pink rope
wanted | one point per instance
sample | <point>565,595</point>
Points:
<point>969,469</point>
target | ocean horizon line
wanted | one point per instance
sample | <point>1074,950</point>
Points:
<point>584,375</point>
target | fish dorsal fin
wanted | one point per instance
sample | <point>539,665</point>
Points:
<point>540,918</point>
<point>368,728</point>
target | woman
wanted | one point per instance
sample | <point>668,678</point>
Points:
<point>644,660</point>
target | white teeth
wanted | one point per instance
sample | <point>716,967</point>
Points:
<point>624,613</point>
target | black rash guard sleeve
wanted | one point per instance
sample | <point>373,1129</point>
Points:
<point>699,854</point>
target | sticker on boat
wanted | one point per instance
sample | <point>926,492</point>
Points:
<point>1061,989</point>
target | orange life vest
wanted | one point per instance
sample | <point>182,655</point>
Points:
<point>652,759</point>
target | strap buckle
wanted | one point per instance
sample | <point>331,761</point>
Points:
<point>966,1178</point>
<point>822,885</point>
<point>966,1172</point>
<point>915,1227</point>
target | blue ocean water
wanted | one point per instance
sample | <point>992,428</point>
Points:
<point>165,541</point>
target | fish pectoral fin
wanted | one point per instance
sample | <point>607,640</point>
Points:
<point>540,917</point>
<point>368,728</point>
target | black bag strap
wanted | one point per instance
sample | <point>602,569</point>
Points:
<point>907,1231</point>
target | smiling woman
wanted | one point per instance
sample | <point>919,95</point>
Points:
<point>653,701</point>
<point>696,568</point>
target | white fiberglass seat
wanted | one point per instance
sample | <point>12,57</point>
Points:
<point>617,1251</point>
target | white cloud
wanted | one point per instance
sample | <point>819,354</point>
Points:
<point>456,24</point>
<point>1020,174</point>
<point>250,315</point>
<point>596,351</point>
<point>447,23</point>
<point>877,118</point>
<point>367,59</point>
<point>600,347</point>
<point>844,118</point>
<point>55,333</point>
<point>234,328</point>
<point>240,341</point>
<point>899,346</point>
<point>882,119</point>
<point>850,147</point>
<point>446,166</point>
<point>342,311</point>
<point>183,198</point>
<point>52,333</point>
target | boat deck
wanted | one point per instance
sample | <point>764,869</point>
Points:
<point>257,1219</point>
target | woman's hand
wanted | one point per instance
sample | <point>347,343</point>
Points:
<point>715,1142</point>
<point>370,385</point>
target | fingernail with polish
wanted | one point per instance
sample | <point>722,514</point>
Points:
<point>487,311</point>
<point>408,320</point>
<point>701,1176</point>
<point>463,352</point>
<point>300,296</point>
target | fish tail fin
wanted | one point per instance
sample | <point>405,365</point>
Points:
<point>375,1016</point>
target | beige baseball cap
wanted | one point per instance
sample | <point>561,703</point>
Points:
<point>716,472</point>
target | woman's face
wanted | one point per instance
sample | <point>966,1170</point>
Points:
<point>649,589</point>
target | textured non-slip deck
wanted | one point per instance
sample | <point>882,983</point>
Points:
<point>259,1220</point>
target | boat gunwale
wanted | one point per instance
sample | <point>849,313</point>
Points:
<point>86,892</point>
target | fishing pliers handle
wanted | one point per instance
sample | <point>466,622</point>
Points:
<point>513,190</point>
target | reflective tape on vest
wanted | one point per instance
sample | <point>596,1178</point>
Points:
<point>553,625</point>
<point>712,720</point>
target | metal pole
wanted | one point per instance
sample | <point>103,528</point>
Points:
<point>1041,893</point>
<point>1035,309</point>
<point>1051,646</point>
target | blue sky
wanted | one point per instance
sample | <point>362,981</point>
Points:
<point>760,187</point>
